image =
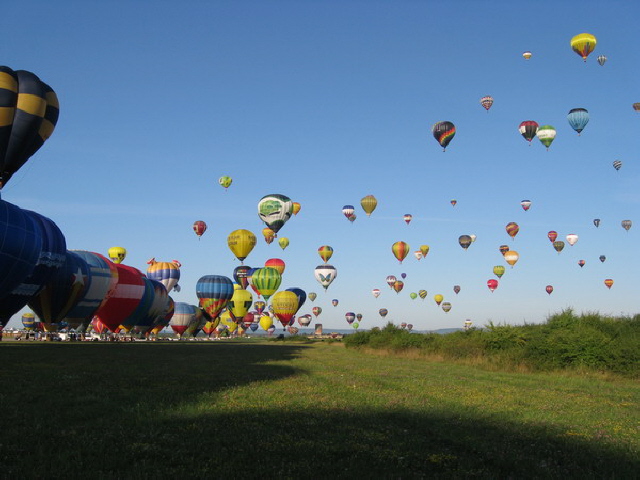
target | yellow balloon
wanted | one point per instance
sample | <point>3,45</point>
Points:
<point>266,322</point>
<point>511,257</point>
<point>225,319</point>
<point>424,249</point>
<point>296,208</point>
<point>438,298</point>
<point>117,254</point>
<point>240,303</point>
<point>241,242</point>
<point>369,204</point>
<point>583,44</point>
<point>283,242</point>
<point>285,306</point>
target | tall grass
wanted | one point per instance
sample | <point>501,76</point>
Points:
<point>586,342</point>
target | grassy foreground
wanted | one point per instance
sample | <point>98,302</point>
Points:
<point>282,410</point>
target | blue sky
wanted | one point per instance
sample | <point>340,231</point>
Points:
<point>327,102</point>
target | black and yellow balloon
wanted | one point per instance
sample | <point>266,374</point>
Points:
<point>28,115</point>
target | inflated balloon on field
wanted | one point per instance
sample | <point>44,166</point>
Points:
<point>167,273</point>
<point>214,292</point>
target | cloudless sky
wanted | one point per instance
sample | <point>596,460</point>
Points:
<point>329,101</point>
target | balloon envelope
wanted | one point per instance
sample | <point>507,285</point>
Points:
<point>275,210</point>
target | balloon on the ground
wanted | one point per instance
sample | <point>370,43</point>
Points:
<point>214,293</point>
<point>127,295</point>
<point>183,316</point>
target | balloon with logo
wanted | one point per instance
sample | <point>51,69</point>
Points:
<point>325,274</point>
<point>275,210</point>
<point>369,204</point>
<point>528,130</point>
<point>30,113</point>
<point>400,250</point>
<point>266,281</point>
<point>486,102</point>
<point>276,263</point>
<point>546,134</point>
<point>492,284</point>
<point>325,252</point>
<point>241,242</point>
<point>225,182</point>
<point>167,273</point>
<point>285,306</point>
<point>511,257</point>
<point>214,293</point>
<point>117,254</point>
<point>199,227</point>
<point>583,44</point>
<point>443,132</point>
<point>578,119</point>
<point>283,242</point>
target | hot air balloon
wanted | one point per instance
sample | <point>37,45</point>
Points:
<point>225,181</point>
<point>552,235</point>
<point>464,241</point>
<point>424,249</point>
<point>609,283</point>
<point>407,218</point>
<point>259,305</point>
<point>527,55</point>
<point>283,242</point>
<point>400,250</point>
<point>391,279</point>
<point>296,208</point>
<point>28,321</point>
<point>418,255</point>
<point>546,134</point>
<point>486,102</point>
<point>512,229</point>
<point>126,297</point>
<point>241,242</point>
<point>446,306</point>
<point>325,274</point>
<point>617,164</point>
<point>626,224</point>
<point>525,204</point>
<point>301,294</point>
<point>383,312</point>
<point>266,322</point>
<point>266,281</point>
<point>268,235</point>
<point>572,238</point>
<point>214,292</point>
<point>167,273</point>
<point>199,227</point>
<point>30,113</point>
<point>596,222</point>
<point>583,44</point>
<point>498,270</point>
<point>422,294</point>
<point>325,252</point>
<point>335,302</point>
<point>528,130</point>
<point>456,289</point>
<point>304,320</point>
<point>316,311</point>
<point>438,299</point>
<point>275,210</point>
<point>276,263</point>
<point>403,275</point>
<point>350,317</point>
<point>503,249</point>
<point>413,295</point>
<point>549,289</point>
<point>602,258</point>
<point>398,286</point>
<point>312,296</point>
<point>636,106</point>
<point>581,263</point>
<point>375,292</point>
<point>492,284</point>
<point>285,306</point>
<point>239,304</point>
<point>352,217</point>
<point>183,316</point>
<point>602,60</point>
<point>511,257</point>
<point>473,237</point>
<point>117,254</point>
<point>348,210</point>
<point>578,119</point>
<point>241,275</point>
<point>453,202</point>
<point>443,132</point>
<point>558,245</point>
<point>369,204</point>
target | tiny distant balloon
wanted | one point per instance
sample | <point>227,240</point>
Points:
<point>552,235</point>
<point>352,217</point>
<point>617,164</point>
<point>609,283</point>
<point>199,227</point>
<point>403,275</point>
<point>268,235</point>
<point>572,238</point>
<point>464,241</point>
<point>602,59</point>
<point>526,204</point>
<point>486,102</point>
<point>418,255</point>
<point>438,299</point>
<point>578,119</point>
<point>400,250</point>
<point>398,286</point>
<point>225,181</point>
<point>456,289</point>
<point>596,222</point>
<point>581,263</point>
<point>283,242</point>
<point>499,270</point>
<point>512,229</point>
<point>511,257</point>
<point>422,294</point>
<point>347,210</point>
<point>549,289</point>
<point>316,311</point>
<point>325,252</point>
<point>492,284</point>
<point>407,218</point>
<point>296,208</point>
<point>504,249</point>
<point>602,258</point>
<point>335,302</point>
<point>391,279</point>
<point>527,55</point>
<point>446,306</point>
<point>558,245</point>
<point>312,296</point>
<point>413,295</point>
<point>117,254</point>
<point>626,224</point>
<point>375,292</point>
<point>383,312</point>
<point>453,202</point>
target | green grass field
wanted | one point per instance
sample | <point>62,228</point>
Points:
<point>260,409</point>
